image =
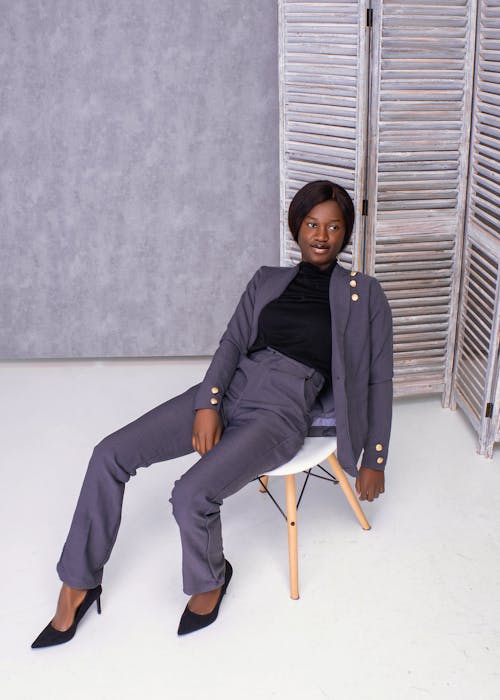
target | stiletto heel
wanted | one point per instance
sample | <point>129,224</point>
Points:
<point>49,636</point>
<point>191,622</point>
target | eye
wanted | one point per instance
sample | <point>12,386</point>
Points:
<point>311,224</point>
<point>334,227</point>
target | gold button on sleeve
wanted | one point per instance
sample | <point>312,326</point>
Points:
<point>353,273</point>
<point>380,460</point>
<point>215,390</point>
<point>378,447</point>
<point>214,401</point>
<point>353,283</point>
<point>354,297</point>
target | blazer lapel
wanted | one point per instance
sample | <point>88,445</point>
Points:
<point>339,306</point>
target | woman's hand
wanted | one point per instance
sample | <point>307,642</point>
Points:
<point>369,483</point>
<point>207,430</point>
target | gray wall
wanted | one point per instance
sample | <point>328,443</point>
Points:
<point>139,183</point>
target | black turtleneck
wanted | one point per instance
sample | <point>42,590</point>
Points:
<point>298,323</point>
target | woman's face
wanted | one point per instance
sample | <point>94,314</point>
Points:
<point>321,234</point>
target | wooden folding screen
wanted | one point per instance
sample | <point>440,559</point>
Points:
<point>378,96</point>
<point>476,385</point>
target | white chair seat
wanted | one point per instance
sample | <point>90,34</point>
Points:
<point>313,451</point>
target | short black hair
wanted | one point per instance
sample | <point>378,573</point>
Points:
<point>315,193</point>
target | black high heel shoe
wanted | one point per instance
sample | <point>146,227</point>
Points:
<point>191,622</point>
<point>50,636</point>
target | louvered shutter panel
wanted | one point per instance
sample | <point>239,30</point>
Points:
<point>484,212</point>
<point>323,97</point>
<point>476,373</point>
<point>417,166</point>
<point>476,367</point>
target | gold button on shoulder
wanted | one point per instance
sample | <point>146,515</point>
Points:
<point>378,447</point>
<point>380,460</point>
<point>353,283</point>
<point>214,402</point>
<point>354,297</point>
<point>215,390</point>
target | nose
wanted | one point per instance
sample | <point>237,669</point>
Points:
<point>322,233</point>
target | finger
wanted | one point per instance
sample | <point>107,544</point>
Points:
<point>218,436</point>
<point>358,488</point>
<point>203,445</point>
<point>196,442</point>
<point>214,437</point>
<point>209,443</point>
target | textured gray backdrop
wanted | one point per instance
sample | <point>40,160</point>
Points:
<point>139,182</point>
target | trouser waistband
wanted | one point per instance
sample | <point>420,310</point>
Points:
<point>288,364</point>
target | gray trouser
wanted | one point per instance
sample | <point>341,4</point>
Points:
<point>265,415</point>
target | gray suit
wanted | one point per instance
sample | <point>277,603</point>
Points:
<point>362,366</point>
<point>267,403</point>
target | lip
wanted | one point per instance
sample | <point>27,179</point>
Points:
<point>320,250</point>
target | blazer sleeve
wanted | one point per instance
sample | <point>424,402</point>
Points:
<point>234,342</point>
<point>380,391</point>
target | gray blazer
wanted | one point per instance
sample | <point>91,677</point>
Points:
<point>362,365</point>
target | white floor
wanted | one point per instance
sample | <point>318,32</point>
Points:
<point>410,609</point>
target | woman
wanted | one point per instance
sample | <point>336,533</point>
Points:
<point>306,341</point>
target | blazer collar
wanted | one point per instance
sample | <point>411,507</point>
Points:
<point>340,293</point>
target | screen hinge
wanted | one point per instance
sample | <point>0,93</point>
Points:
<point>369,17</point>
<point>364,210</point>
<point>489,410</point>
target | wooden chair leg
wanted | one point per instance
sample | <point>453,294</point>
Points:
<point>264,480</point>
<point>291,513</point>
<point>339,474</point>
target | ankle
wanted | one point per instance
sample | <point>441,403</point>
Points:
<point>204,603</point>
